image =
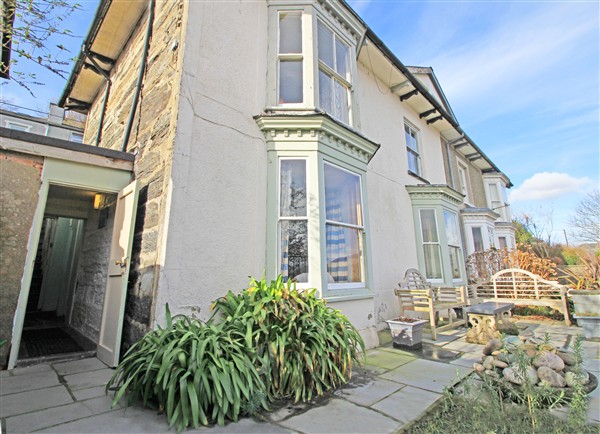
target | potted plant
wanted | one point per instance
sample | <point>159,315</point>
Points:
<point>586,294</point>
<point>407,333</point>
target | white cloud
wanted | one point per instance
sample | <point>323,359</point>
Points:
<point>548,185</point>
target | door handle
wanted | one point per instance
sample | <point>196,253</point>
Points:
<point>121,262</point>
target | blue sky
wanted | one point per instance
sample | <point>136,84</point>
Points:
<point>522,77</point>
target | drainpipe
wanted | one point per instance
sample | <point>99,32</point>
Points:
<point>138,87</point>
<point>102,72</point>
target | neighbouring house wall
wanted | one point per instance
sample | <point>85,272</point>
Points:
<point>152,139</point>
<point>475,179</point>
<point>20,178</point>
<point>217,223</point>
<point>88,300</point>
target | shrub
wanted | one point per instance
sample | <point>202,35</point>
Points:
<point>589,276</point>
<point>302,345</point>
<point>198,373</point>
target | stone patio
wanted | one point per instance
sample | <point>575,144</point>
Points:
<point>391,391</point>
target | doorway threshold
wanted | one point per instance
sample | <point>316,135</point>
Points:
<point>54,358</point>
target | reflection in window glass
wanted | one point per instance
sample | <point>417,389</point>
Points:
<point>290,81</point>
<point>325,92</point>
<point>431,246</point>
<point>294,249</point>
<point>477,239</point>
<point>342,59</point>
<point>502,242</point>
<point>341,102</point>
<point>290,32</point>
<point>412,149</point>
<point>453,237</point>
<point>428,226</point>
<point>343,213</point>
<point>325,45</point>
<point>293,188</point>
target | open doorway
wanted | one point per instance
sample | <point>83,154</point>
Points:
<point>66,294</point>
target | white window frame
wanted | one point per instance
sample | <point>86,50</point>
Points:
<point>21,127</point>
<point>416,152</point>
<point>292,57</point>
<point>472,236</point>
<point>458,246</point>
<point>360,228</point>
<point>463,179</point>
<point>281,218</point>
<point>346,82</point>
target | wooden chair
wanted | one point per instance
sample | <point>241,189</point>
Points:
<point>416,294</point>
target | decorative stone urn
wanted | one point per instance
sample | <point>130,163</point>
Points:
<point>587,311</point>
<point>407,333</point>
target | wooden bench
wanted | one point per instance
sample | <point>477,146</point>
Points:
<point>418,295</point>
<point>523,288</point>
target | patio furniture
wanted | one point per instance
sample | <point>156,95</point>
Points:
<point>416,294</point>
<point>487,320</point>
<point>523,288</point>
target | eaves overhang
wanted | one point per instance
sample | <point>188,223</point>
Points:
<point>110,31</point>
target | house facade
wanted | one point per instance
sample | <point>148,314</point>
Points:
<point>278,137</point>
<point>57,123</point>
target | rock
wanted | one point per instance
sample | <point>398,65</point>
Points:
<point>548,376</point>
<point>526,334</point>
<point>511,343</point>
<point>568,357</point>
<point>492,373</point>
<point>571,377</point>
<point>491,346</point>
<point>500,364</point>
<point>530,349</point>
<point>488,363</point>
<point>497,352</point>
<point>506,358</point>
<point>478,367</point>
<point>548,359</point>
<point>513,375</point>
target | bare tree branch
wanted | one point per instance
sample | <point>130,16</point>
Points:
<point>585,219</point>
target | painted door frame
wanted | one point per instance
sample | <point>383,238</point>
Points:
<point>67,174</point>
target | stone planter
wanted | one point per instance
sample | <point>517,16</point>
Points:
<point>407,333</point>
<point>587,311</point>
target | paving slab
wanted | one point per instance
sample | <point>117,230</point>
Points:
<point>30,370</point>
<point>407,404</point>
<point>77,366</point>
<point>33,400</point>
<point>467,360</point>
<point>102,404</point>
<point>90,392</point>
<point>84,380</point>
<point>341,416</point>
<point>428,375</point>
<point>369,393</point>
<point>463,347</point>
<point>23,383</point>
<point>45,418</point>
<point>387,359</point>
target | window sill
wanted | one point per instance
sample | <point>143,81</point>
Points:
<point>364,294</point>
<point>420,178</point>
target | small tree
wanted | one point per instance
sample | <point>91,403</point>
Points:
<point>28,27</point>
<point>585,219</point>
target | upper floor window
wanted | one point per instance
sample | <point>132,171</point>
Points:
<point>412,149</point>
<point>334,74</point>
<point>76,137</point>
<point>17,126</point>
<point>463,181</point>
<point>290,58</point>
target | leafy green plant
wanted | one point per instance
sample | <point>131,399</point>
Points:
<point>303,347</point>
<point>195,372</point>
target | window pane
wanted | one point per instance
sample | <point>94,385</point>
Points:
<point>433,264</point>
<point>413,162</point>
<point>502,242</point>
<point>290,32</point>
<point>341,102</point>
<point>325,92</point>
<point>450,220</point>
<point>290,81</point>
<point>428,226</point>
<point>325,45</point>
<point>294,249</point>
<point>293,188</point>
<point>491,237</point>
<point>344,255</point>
<point>411,138</point>
<point>342,59</point>
<point>455,262</point>
<point>477,239</point>
<point>342,196</point>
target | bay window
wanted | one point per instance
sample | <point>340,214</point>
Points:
<point>431,244</point>
<point>343,225</point>
<point>290,58</point>
<point>454,243</point>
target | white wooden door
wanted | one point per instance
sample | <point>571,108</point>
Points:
<point>111,327</point>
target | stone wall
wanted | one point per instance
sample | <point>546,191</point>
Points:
<point>151,139</point>
<point>88,299</point>
<point>20,178</point>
